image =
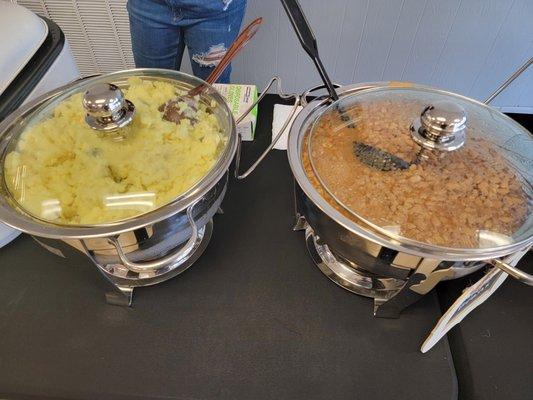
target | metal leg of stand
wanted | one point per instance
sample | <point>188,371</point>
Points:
<point>300,224</point>
<point>393,307</point>
<point>425,278</point>
<point>122,296</point>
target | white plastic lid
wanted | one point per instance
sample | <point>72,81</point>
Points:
<point>22,34</point>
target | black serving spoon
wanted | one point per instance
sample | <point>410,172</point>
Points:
<point>369,155</point>
<point>378,159</point>
<point>308,41</point>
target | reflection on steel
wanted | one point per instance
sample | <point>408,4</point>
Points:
<point>441,127</point>
<point>107,109</point>
<point>151,242</point>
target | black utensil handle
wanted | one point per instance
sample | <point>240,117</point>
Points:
<point>307,40</point>
<point>301,26</point>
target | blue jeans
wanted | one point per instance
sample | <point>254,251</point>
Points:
<point>160,30</point>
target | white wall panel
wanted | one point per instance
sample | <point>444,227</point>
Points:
<point>467,46</point>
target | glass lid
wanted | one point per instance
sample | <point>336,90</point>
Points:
<point>115,147</point>
<point>425,166</point>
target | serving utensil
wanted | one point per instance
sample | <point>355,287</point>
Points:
<point>108,109</point>
<point>171,110</point>
<point>308,41</point>
<point>377,158</point>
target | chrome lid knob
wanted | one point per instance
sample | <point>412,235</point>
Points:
<point>107,109</point>
<point>441,127</point>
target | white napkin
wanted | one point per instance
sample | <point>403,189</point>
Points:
<point>281,113</point>
<point>7,234</point>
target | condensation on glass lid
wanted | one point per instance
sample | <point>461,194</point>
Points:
<point>137,203</point>
<point>467,198</point>
<point>62,171</point>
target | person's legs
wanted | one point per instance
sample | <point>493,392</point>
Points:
<point>156,38</point>
<point>208,36</point>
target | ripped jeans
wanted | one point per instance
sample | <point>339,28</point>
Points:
<point>160,30</point>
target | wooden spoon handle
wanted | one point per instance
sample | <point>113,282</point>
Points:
<point>244,37</point>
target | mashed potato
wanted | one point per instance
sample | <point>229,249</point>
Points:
<point>63,171</point>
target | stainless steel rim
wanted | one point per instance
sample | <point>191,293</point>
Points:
<point>296,135</point>
<point>18,219</point>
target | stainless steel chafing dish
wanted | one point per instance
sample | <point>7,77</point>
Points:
<point>155,241</point>
<point>378,257</point>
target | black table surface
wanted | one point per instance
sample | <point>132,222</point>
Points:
<point>492,347</point>
<point>492,350</point>
<point>252,319</point>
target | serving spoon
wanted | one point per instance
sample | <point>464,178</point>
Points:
<point>171,110</point>
<point>308,41</point>
<point>108,110</point>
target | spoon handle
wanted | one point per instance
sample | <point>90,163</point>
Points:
<point>244,37</point>
<point>307,40</point>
